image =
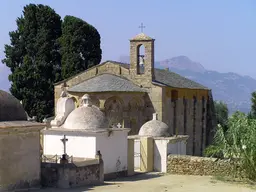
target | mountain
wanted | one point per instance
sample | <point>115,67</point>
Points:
<point>183,63</point>
<point>233,89</point>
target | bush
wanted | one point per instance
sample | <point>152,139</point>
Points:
<point>238,142</point>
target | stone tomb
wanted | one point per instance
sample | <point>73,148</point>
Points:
<point>19,146</point>
<point>86,132</point>
<point>154,144</point>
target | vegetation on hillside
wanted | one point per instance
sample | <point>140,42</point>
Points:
<point>252,113</point>
<point>43,51</point>
<point>221,110</point>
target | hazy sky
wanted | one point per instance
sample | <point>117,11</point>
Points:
<point>220,34</point>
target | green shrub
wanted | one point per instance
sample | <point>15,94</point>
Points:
<point>238,142</point>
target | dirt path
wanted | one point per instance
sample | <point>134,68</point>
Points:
<point>157,183</point>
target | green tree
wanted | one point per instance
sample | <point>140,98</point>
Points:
<point>221,110</point>
<point>34,60</point>
<point>80,46</point>
<point>252,113</point>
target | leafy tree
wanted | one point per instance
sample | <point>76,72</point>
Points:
<point>80,46</point>
<point>34,60</point>
<point>238,143</point>
<point>252,113</point>
<point>221,110</point>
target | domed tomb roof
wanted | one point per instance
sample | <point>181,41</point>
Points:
<point>10,108</point>
<point>154,128</point>
<point>87,117</point>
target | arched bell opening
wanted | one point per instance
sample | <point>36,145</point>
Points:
<point>141,59</point>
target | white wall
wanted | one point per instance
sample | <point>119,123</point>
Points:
<point>76,146</point>
<point>178,148</point>
<point>137,154</point>
<point>114,149</point>
<point>160,155</point>
<point>161,151</point>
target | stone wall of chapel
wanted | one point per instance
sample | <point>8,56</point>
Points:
<point>20,158</point>
<point>185,112</point>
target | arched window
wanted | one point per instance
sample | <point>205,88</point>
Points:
<point>114,110</point>
<point>77,104</point>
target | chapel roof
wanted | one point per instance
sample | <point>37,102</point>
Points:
<point>10,108</point>
<point>162,77</point>
<point>106,83</point>
<point>172,79</point>
<point>169,78</point>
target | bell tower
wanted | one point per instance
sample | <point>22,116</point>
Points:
<point>142,58</point>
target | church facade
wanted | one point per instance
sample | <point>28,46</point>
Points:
<point>130,93</point>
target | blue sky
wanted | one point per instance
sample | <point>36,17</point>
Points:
<point>219,34</point>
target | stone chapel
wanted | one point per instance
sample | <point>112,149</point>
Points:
<point>129,94</point>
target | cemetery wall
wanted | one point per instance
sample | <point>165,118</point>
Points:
<point>72,175</point>
<point>192,165</point>
<point>20,160</point>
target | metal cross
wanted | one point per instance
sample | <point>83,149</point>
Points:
<point>142,27</point>
<point>119,125</point>
<point>64,141</point>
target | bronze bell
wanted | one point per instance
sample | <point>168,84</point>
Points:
<point>141,60</point>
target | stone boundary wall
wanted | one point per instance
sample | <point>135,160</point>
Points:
<point>71,175</point>
<point>192,165</point>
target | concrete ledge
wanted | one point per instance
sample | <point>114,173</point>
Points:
<point>71,132</point>
<point>20,126</point>
<point>171,139</point>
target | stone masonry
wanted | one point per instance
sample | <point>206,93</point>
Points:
<point>191,165</point>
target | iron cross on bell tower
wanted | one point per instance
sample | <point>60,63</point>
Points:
<point>142,27</point>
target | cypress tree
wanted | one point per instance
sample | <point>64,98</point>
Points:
<point>34,59</point>
<point>80,46</point>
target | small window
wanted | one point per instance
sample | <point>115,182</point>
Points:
<point>174,95</point>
